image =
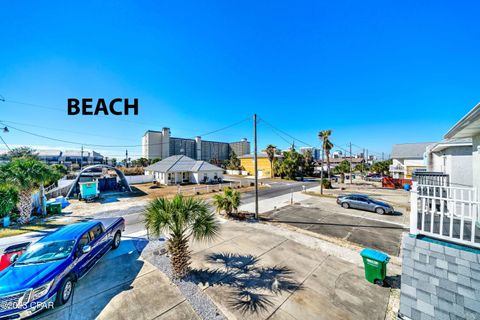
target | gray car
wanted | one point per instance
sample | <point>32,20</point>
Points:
<point>363,202</point>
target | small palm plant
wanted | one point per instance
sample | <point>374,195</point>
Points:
<point>229,201</point>
<point>181,219</point>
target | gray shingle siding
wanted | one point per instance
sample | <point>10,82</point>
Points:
<point>439,282</point>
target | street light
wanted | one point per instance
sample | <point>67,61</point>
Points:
<point>5,130</point>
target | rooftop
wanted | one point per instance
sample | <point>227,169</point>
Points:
<point>468,126</point>
<point>410,150</point>
<point>181,163</point>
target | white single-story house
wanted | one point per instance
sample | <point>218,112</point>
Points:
<point>408,158</point>
<point>182,169</point>
<point>454,158</point>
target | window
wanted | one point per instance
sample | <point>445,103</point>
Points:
<point>95,232</point>
<point>84,240</point>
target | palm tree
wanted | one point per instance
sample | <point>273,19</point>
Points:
<point>26,174</point>
<point>180,218</point>
<point>270,150</point>
<point>229,201</point>
<point>327,145</point>
<point>342,168</point>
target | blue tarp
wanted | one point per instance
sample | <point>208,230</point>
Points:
<point>374,255</point>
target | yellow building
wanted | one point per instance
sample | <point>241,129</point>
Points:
<point>264,168</point>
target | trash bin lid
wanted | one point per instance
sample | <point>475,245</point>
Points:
<point>375,255</point>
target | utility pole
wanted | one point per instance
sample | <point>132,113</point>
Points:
<point>351,179</point>
<point>382,157</point>
<point>126,158</point>
<point>321,173</point>
<point>81,159</point>
<point>255,163</point>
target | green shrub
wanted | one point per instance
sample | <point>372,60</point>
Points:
<point>8,200</point>
<point>327,184</point>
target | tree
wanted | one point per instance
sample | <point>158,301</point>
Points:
<point>8,199</point>
<point>327,145</point>
<point>381,167</point>
<point>140,162</point>
<point>308,164</point>
<point>182,218</point>
<point>233,163</point>
<point>229,201</point>
<point>26,175</point>
<point>114,162</point>
<point>271,150</point>
<point>342,168</point>
<point>22,152</point>
<point>288,167</point>
<point>155,160</point>
<point>60,168</point>
<point>362,167</point>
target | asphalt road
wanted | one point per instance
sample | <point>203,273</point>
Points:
<point>366,232</point>
<point>134,219</point>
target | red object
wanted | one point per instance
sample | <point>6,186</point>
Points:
<point>18,249</point>
<point>390,183</point>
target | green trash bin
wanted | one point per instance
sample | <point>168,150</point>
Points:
<point>375,264</point>
<point>54,208</point>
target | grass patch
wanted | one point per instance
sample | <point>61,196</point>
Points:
<point>316,194</point>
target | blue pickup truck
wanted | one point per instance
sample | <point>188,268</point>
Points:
<point>45,274</point>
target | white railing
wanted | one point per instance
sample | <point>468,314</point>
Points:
<point>447,213</point>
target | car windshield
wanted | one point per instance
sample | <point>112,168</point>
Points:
<point>46,251</point>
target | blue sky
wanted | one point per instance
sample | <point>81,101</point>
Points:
<point>375,72</point>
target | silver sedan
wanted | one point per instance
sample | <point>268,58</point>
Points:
<point>363,202</point>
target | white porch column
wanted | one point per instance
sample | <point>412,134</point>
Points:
<point>414,208</point>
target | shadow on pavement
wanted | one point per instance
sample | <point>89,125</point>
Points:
<point>252,286</point>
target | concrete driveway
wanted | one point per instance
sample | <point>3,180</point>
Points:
<point>124,286</point>
<point>361,230</point>
<point>256,274</point>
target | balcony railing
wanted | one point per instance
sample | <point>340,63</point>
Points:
<point>447,213</point>
<point>396,168</point>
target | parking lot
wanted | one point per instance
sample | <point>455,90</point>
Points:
<point>353,225</point>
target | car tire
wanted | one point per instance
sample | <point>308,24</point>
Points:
<point>116,240</point>
<point>380,211</point>
<point>345,205</point>
<point>65,291</point>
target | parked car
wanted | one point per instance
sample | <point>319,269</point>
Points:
<point>374,177</point>
<point>364,202</point>
<point>9,252</point>
<point>45,274</point>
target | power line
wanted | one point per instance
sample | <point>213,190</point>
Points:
<point>57,129</point>
<point>279,135</point>
<point>288,135</point>
<point>107,146</point>
<point>63,110</point>
<point>227,127</point>
<point>6,145</point>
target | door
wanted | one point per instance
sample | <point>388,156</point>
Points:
<point>362,203</point>
<point>99,242</point>
<point>82,259</point>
